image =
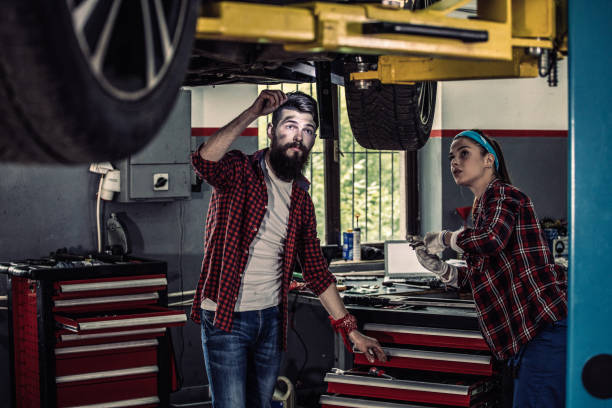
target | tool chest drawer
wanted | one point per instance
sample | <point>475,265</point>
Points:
<point>120,320</point>
<point>107,293</point>
<point>80,360</point>
<point>91,334</point>
<point>67,338</point>
<point>427,336</point>
<point>333,401</point>
<point>440,361</point>
<point>440,391</point>
<point>138,385</point>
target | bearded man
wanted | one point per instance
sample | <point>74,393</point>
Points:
<point>261,220</point>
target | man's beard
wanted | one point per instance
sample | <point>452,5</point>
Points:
<point>288,168</point>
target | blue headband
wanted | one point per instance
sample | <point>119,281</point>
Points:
<point>475,136</point>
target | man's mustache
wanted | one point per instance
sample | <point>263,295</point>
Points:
<point>298,145</point>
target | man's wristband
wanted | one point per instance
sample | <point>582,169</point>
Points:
<point>344,326</point>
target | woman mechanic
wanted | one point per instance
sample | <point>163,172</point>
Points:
<point>520,296</point>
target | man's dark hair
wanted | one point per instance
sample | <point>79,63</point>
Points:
<point>298,101</point>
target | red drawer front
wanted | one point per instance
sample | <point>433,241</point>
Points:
<point>109,286</point>
<point>369,406</point>
<point>422,336</point>
<point>66,338</point>
<point>457,393</point>
<point>96,392</point>
<point>102,303</point>
<point>335,401</point>
<point>149,317</point>
<point>399,394</point>
<point>339,401</point>
<point>431,365</point>
<point>433,361</point>
<point>111,359</point>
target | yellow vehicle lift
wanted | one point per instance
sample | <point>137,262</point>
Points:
<point>504,39</point>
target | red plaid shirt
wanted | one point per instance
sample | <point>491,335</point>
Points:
<point>237,207</point>
<point>510,270</point>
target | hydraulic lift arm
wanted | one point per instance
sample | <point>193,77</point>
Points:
<point>502,39</point>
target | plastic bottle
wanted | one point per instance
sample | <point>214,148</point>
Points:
<point>357,240</point>
<point>347,245</point>
<point>116,236</point>
<point>357,244</point>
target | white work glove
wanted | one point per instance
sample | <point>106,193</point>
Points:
<point>453,241</point>
<point>434,242</point>
<point>446,272</point>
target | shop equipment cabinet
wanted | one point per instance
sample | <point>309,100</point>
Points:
<point>90,331</point>
<point>436,356</point>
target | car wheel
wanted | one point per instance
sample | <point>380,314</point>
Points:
<point>392,117</point>
<point>89,80</point>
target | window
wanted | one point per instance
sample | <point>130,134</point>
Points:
<point>369,179</point>
<point>370,184</point>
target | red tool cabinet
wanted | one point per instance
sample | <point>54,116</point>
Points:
<point>90,332</point>
<point>430,363</point>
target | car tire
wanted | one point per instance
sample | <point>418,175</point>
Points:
<point>391,117</point>
<point>64,101</point>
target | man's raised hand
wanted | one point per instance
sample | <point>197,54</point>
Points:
<point>267,102</point>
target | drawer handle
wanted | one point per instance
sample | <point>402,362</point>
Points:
<point>126,284</point>
<point>75,337</point>
<point>436,355</point>
<point>107,346</point>
<point>139,321</point>
<point>397,384</point>
<point>136,402</point>
<point>105,299</point>
<point>106,374</point>
<point>428,331</point>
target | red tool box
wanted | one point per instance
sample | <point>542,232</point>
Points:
<point>445,364</point>
<point>88,331</point>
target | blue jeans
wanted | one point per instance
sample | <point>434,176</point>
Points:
<point>541,369</point>
<point>242,365</point>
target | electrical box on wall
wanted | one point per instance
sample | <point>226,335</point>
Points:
<point>161,171</point>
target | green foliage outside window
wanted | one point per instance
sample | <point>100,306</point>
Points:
<point>369,179</point>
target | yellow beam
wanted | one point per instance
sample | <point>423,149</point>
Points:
<point>533,18</point>
<point>532,42</point>
<point>394,69</point>
<point>255,23</point>
<point>341,28</point>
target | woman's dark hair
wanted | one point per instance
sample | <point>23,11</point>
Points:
<point>301,102</point>
<point>502,172</point>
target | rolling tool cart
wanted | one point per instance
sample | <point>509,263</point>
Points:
<point>90,330</point>
<point>436,357</point>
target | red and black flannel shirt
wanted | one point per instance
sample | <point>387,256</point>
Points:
<point>510,269</point>
<point>237,207</point>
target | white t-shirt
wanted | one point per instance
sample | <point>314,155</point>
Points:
<point>261,282</point>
